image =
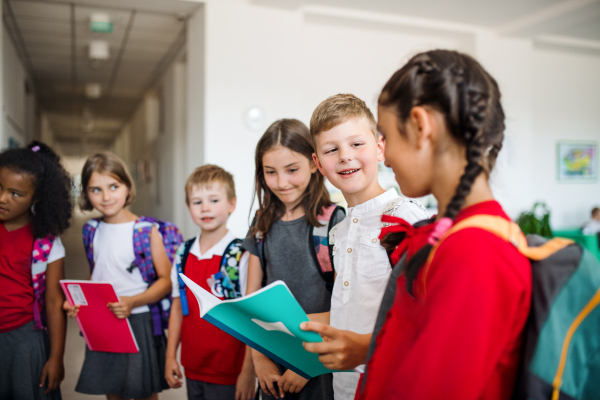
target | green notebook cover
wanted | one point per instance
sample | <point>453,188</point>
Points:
<point>267,320</point>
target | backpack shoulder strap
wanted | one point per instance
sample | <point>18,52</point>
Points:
<point>180,260</point>
<point>230,269</point>
<point>88,232</point>
<point>39,264</point>
<point>259,242</point>
<point>321,249</point>
<point>141,247</point>
<point>506,230</point>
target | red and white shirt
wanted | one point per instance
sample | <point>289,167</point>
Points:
<point>208,354</point>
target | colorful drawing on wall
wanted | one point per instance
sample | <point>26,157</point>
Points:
<point>577,161</point>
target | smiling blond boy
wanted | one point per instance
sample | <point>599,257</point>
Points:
<point>348,149</point>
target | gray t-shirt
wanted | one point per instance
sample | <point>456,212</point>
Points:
<point>288,258</point>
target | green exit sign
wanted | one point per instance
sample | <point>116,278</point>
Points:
<point>101,26</point>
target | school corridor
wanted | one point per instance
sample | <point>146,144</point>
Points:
<point>170,85</point>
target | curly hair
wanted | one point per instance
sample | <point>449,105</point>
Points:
<point>458,87</point>
<point>52,197</point>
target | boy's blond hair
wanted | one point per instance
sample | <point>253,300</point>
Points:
<point>338,109</point>
<point>206,175</point>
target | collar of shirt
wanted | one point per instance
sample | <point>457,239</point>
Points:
<point>217,250</point>
<point>375,202</point>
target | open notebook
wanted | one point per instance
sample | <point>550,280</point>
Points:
<point>267,320</point>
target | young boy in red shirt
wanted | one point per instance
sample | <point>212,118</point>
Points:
<point>216,364</point>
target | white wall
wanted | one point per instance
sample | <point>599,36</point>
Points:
<point>142,140</point>
<point>566,106</point>
<point>287,61</point>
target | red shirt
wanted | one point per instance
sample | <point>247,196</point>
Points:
<point>16,287</point>
<point>460,336</point>
<point>207,353</point>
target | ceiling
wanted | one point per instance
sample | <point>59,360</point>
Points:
<point>53,39</point>
<point>571,20</point>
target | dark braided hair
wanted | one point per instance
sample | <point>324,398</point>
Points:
<point>52,197</point>
<point>458,87</point>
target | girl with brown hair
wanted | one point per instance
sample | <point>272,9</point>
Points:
<point>292,200</point>
<point>113,254</point>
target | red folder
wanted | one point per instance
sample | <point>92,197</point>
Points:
<point>101,329</point>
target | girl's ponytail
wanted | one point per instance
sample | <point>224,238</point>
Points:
<point>51,207</point>
<point>459,88</point>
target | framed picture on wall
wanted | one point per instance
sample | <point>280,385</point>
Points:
<point>577,161</point>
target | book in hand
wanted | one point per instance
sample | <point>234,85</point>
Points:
<point>101,329</point>
<point>267,320</point>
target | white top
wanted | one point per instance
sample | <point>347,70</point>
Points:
<point>591,227</point>
<point>363,270</point>
<point>217,250</point>
<point>113,257</point>
<point>57,251</point>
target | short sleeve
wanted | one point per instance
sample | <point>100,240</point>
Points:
<point>174,281</point>
<point>411,211</point>
<point>174,277</point>
<point>250,245</point>
<point>57,252</point>
<point>243,272</point>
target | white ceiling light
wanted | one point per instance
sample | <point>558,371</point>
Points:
<point>98,50</point>
<point>93,90</point>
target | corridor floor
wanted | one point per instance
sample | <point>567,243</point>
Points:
<point>76,267</point>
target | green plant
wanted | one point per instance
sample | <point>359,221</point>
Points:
<point>536,221</point>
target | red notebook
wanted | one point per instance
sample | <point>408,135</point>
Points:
<point>101,329</point>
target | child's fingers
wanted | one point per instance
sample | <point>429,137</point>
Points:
<point>271,390</point>
<point>265,387</point>
<point>44,375</point>
<point>318,347</point>
<point>320,328</point>
<point>52,384</point>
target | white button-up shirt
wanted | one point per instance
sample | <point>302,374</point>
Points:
<point>363,270</point>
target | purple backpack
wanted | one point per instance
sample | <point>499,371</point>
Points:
<point>172,238</point>
<point>39,264</point>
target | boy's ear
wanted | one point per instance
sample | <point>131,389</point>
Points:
<point>380,148</point>
<point>232,204</point>
<point>316,164</point>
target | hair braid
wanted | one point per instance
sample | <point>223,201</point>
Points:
<point>458,87</point>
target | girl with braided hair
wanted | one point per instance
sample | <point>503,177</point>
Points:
<point>451,320</point>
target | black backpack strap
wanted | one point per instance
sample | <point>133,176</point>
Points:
<point>318,238</point>
<point>331,234</point>
<point>181,270</point>
<point>259,242</point>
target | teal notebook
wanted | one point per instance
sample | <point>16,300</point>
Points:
<point>267,320</point>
